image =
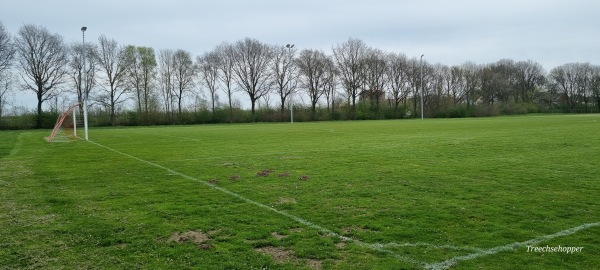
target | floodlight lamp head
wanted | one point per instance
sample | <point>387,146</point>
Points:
<point>289,46</point>
<point>83,29</point>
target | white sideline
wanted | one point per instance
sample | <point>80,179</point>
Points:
<point>421,244</point>
<point>375,247</point>
<point>450,262</point>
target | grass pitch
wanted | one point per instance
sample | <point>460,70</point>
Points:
<point>433,194</point>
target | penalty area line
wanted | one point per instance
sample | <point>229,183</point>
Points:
<point>450,262</point>
<point>375,247</point>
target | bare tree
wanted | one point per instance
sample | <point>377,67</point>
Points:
<point>349,58</point>
<point>413,73</point>
<point>251,69</point>
<point>185,71</point>
<point>43,60</point>
<point>5,91</point>
<point>398,79</point>
<point>472,82</point>
<point>7,51</point>
<point>564,79</point>
<point>330,84</point>
<point>577,82</point>
<point>312,66</point>
<point>83,74</point>
<point>595,85</point>
<point>141,64</point>
<point>166,78</point>
<point>530,78</point>
<point>429,84</point>
<point>111,61</point>
<point>285,73</point>
<point>498,81</point>
<point>440,85</point>
<point>375,79</point>
<point>208,66</point>
<point>267,101</point>
<point>457,89</point>
<point>583,73</point>
<point>226,55</point>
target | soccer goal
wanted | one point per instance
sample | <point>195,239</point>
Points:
<point>67,124</point>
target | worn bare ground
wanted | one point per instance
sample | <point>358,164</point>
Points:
<point>297,230</point>
<point>196,237</point>
<point>278,236</point>
<point>282,255</point>
<point>13,170</point>
<point>278,254</point>
<point>285,200</point>
<point>315,264</point>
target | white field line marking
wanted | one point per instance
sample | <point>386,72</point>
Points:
<point>375,247</point>
<point>450,262</point>
<point>421,244</point>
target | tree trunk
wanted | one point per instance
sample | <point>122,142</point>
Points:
<point>39,108</point>
<point>253,101</point>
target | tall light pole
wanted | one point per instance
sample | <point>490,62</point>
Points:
<point>290,46</point>
<point>422,86</point>
<point>85,92</point>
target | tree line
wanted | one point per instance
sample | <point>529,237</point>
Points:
<point>138,85</point>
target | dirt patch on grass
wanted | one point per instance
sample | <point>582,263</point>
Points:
<point>230,164</point>
<point>283,174</point>
<point>213,181</point>
<point>264,173</point>
<point>315,264</point>
<point>285,201</point>
<point>340,245</point>
<point>282,255</point>
<point>297,230</point>
<point>278,236</point>
<point>196,237</point>
<point>13,170</point>
<point>353,229</point>
<point>279,254</point>
<point>303,178</point>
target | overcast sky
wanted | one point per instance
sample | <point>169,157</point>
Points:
<point>451,32</point>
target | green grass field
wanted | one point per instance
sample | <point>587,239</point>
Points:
<point>411,194</point>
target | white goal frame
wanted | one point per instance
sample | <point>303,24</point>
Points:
<point>62,130</point>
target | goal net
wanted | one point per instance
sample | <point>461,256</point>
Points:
<point>67,124</point>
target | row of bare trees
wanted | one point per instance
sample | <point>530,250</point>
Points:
<point>354,75</point>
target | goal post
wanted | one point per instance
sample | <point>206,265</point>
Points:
<point>65,129</point>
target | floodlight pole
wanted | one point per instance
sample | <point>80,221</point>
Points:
<point>290,46</point>
<point>422,86</point>
<point>85,92</point>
